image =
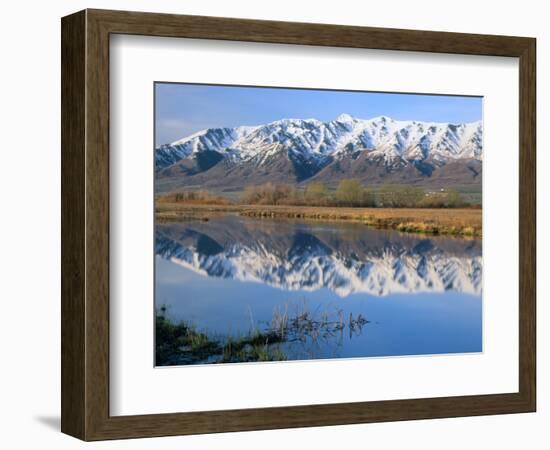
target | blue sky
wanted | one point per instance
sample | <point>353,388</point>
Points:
<point>182,109</point>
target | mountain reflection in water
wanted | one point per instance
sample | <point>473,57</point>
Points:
<point>411,294</point>
<point>345,258</point>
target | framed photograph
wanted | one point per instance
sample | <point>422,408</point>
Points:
<point>273,225</point>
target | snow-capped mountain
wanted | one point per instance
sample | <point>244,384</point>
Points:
<point>308,260</point>
<point>214,139</point>
<point>297,150</point>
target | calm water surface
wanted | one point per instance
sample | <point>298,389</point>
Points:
<point>338,289</point>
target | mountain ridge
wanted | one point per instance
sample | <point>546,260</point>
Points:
<point>298,150</point>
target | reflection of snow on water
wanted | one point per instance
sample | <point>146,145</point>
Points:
<point>308,263</point>
<point>419,295</point>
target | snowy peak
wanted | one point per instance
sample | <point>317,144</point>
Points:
<point>392,144</point>
<point>311,136</point>
<point>213,139</point>
<point>345,118</point>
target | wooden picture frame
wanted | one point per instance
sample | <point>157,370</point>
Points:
<point>85,224</point>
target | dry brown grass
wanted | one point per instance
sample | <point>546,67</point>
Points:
<point>192,198</point>
<point>465,222</point>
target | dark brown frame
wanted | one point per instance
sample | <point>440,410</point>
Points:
<point>85,224</point>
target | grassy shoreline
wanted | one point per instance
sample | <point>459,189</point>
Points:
<point>452,221</point>
<point>181,342</point>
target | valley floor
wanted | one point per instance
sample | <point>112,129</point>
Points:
<point>451,221</point>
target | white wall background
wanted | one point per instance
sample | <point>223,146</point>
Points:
<point>30,229</point>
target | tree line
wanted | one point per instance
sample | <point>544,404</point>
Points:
<point>352,193</point>
<point>202,197</point>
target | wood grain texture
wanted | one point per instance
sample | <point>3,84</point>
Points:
<point>85,224</point>
<point>97,225</point>
<point>73,108</point>
<point>527,224</point>
<point>201,27</point>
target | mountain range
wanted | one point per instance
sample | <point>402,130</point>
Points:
<point>298,151</point>
<point>294,256</point>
